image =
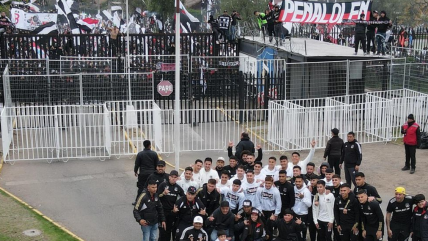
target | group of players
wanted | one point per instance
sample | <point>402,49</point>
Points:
<point>247,200</point>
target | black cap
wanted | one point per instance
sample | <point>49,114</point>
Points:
<point>375,11</point>
<point>411,117</point>
<point>419,197</point>
<point>161,163</point>
<point>237,182</point>
<point>247,203</point>
<point>288,211</point>
<point>191,190</point>
<point>224,204</point>
<point>173,173</point>
<point>335,131</point>
<point>329,170</point>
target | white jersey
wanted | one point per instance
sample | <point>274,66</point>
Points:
<point>269,200</point>
<point>260,178</point>
<point>273,173</point>
<point>324,211</point>
<point>185,184</point>
<point>289,170</point>
<point>235,199</point>
<point>197,177</point>
<point>302,205</point>
<point>211,174</point>
<point>250,190</point>
<point>228,184</point>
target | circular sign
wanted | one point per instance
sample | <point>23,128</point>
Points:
<point>165,88</point>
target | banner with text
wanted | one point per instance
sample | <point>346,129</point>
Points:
<point>323,13</point>
<point>30,21</point>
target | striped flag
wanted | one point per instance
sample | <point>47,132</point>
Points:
<point>188,22</point>
<point>64,9</point>
<point>48,28</point>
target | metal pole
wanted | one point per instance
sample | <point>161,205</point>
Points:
<point>127,53</point>
<point>177,86</point>
<point>347,76</point>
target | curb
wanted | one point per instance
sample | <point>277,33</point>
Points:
<point>41,214</point>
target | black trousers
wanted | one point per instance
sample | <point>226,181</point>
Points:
<point>347,235</point>
<point>324,234</point>
<point>360,38</point>
<point>334,162</point>
<point>371,41</point>
<point>142,178</point>
<point>410,156</point>
<point>165,235</point>
<point>400,232</point>
<point>304,219</point>
<point>271,29</point>
<point>269,225</point>
<point>350,175</point>
<point>312,228</point>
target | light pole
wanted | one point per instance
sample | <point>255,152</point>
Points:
<point>128,65</point>
<point>177,86</point>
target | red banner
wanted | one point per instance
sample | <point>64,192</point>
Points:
<point>323,13</point>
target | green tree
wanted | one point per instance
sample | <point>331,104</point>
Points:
<point>165,8</point>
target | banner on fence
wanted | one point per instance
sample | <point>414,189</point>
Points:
<point>31,21</point>
<point>323,13</point>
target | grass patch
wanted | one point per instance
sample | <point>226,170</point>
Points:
<point>15,218</point>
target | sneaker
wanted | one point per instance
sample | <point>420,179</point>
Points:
<point>378,53</point>
<point>365,54</point>
<point>405,168</point>
<point>355,53</point>
<point>412,170</point>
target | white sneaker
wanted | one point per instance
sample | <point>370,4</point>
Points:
<point>355,53</point>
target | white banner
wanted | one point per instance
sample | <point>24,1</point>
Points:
<point>30,21</point>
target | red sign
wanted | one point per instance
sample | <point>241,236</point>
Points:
<point>165,88</point>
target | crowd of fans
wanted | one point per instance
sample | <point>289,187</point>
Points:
<point>253,198</point>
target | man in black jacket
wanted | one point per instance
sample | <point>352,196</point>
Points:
<point>334,150</point>
<point>352,156</point>
<point>371,29</point>
<point>420,218</point>
<point>381,32</point>
<point>372,219</point>
<point>360,180</point>
<point>149,211</point>
<point>145,164</point>
<point>286,190</point>
<point>159,176</point>
<point>244,144</point>
<point>187,208</point>
<point>221,219</point>
<point>360,34</point>
<point>288,228</point>
<point>209,196</point>
<point>168,193</point>
<point>346,214</point>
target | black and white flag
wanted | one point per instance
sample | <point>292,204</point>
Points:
<point>48,28</point>
<point>64,9</point>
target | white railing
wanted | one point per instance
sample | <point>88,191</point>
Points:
<point>119,128</point>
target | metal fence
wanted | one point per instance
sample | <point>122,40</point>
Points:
<point>119,128</point>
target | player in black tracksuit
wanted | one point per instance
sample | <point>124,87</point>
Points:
<point>420,219</point>
<point>286,190</point>
<point>352,156</point>
<point>210,198</point>
<point>168,193</point>
<point>334,150</point>
<point>360,34</point>
<point>372,219</point>
<point>401,209</point>
<point>369,189</point>
<point>347,214</point>
<point>187,208</point>
<point>159,176</point>
<point>371,29</point>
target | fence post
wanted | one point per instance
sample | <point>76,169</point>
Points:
<point>404,73</point>
<point>266,91</point>
<point>241,95</point>
<point>390,74</point>
<point>57,144</point>
<point>348,65</point>
<point>81,88</point>
<point>49,81</point>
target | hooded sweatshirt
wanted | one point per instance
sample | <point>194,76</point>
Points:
<point>324,211</point>
<point>269,200</point>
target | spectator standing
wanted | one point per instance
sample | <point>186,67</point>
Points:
<point>235,17</point>
<point>277,25</point>
<point>412,139</point>
<point>145,164</point>
<point>224,22</point>
<point>360,34</point>
<point>347,214</point>
<point>148,212</point>
<point>352,156</point>
<point>381,32</point>
<point>371,29</point>
<point>262,23</point>
<point>334,150</point>
<point>288,228</point>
